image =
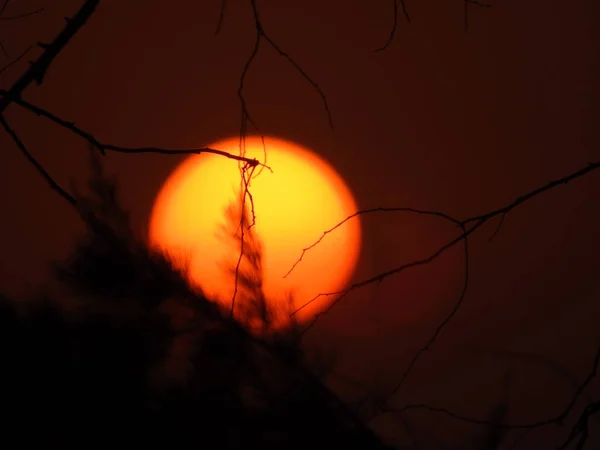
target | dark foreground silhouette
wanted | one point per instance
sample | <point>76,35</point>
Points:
<point>120,350</point>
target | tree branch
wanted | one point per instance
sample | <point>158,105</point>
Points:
<point>39,67</point>
<point>261,34</point>
<point>53,184</point>
<point>15,60</point>
<point>221,16</point>
<point>103,147</point>
<point>22,15</point>
<point>558,419</point>
<point>477,222</point>
<point>395,24</point>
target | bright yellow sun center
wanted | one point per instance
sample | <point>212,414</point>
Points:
<point>293,205</point>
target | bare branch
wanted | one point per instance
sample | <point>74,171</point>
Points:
<point>558,419</point>
<point>39,67</point>
<point>534,193</point>
<point>22,15</point>
<point>395,24</point>
<point>533,358</point>
<point>304,75</point>
<point>16,60</point>
<point>440,327</point>
<point>221,16</point>
<point>246,117</point>
<point>53,184</point>
<point>581,427</point>
<point>365,212</point>
<point>497,230</point>
<point>477,221</point>
<point>102,147</point>
<point>261,34</point>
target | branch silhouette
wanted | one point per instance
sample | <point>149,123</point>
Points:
<point>260,35</point>
<point>19,143</point>
<point>14,60</point>
<point>558,419</point>
<point>22,15</point>
<point>533,358</point>
<point>103,147</point>
<point>221,16</point>
<point>474,222</point>
<point>395,24</point>
<point>580,429</point>
<point>37,69</point>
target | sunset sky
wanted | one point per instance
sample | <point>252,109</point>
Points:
<point>444,120</point>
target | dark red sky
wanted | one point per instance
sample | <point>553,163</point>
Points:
<point>446,120</point>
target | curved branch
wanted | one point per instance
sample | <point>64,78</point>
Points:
<point>440,327</point>
<point>261,34</point>
<point>558,419</point>
<point>477,222</point>
<point>365,212</point>
<point>580,429</point>
<point>395,24</point>
<point>34,162</point>
<point>103,147</point>
<point>22,15</point>
<point>15,60</point>
<point>221,16</point>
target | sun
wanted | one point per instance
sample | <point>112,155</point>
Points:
<point>293,205</point>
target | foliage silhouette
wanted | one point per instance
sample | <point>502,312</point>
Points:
<point>263,316</point>
<point>127,351</point>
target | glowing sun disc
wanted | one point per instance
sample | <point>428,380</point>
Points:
<point>293,205</point>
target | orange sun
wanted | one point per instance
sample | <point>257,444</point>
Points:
<point>293,205</point>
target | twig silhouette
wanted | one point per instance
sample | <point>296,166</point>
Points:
<point>260,35</point>
<point>22,15</point>
<point>103,147</point>
<point>580,429</point>
<point>221,16</point>
<point>19,143</point>
<point>395,24</point>
<point>475,222</point>
<point>15,60</point>
<point>558,419</point>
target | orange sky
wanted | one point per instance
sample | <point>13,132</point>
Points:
<point>441,120</point>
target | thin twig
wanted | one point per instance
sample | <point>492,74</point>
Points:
<point>363,213</point>
<point>34,162</point>
<point>16,60</point>
<point>221,16</point>
<point>440,327</point>
<point>390,38</point>
<point>22,15</point>
<point>558,419</point>
<point>477,222</point>
<point>261,34</point>
<point>103,147</point>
